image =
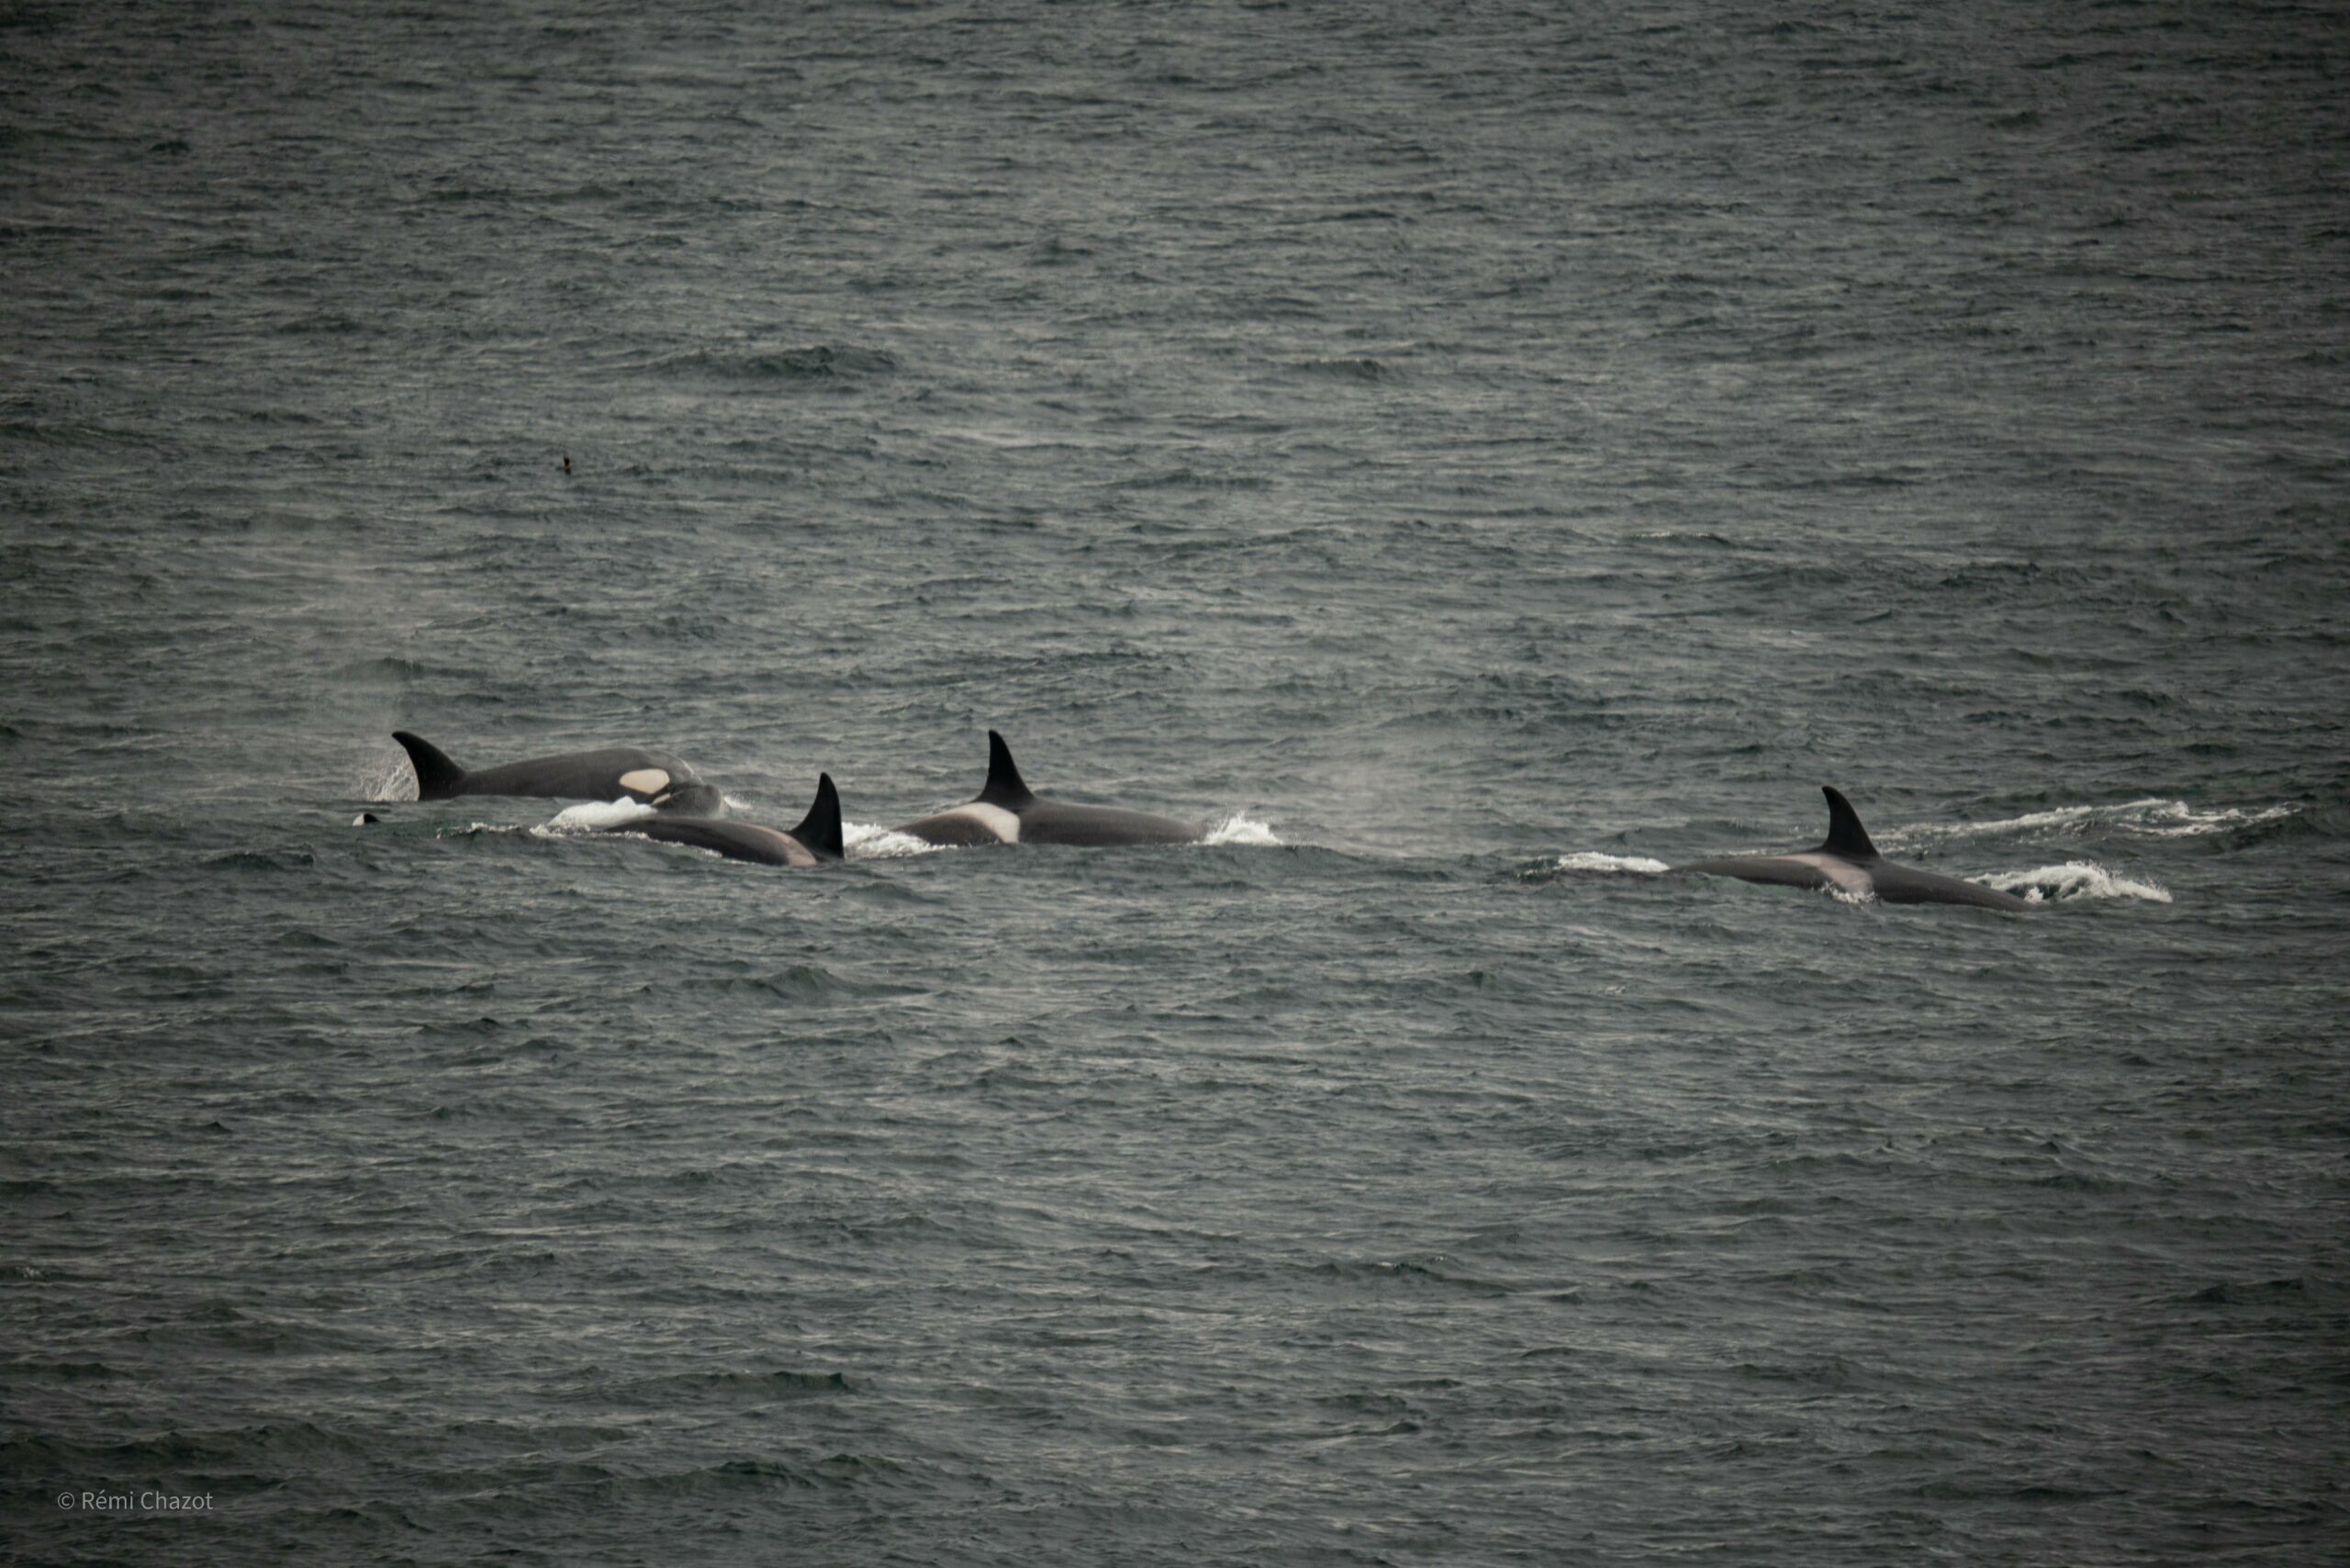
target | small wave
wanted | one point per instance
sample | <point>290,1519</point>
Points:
<point>2152,817</point>
<point>1010,440</point>
<point>1346,369</point>
<point>819,364</point>
<point>242,860</point>
<point>2074,879</point>
<point>1241,828</point>
<point>801,983</point>
<point>2252,1293</point>
<point>731,1385</point>
<point>1699,538</point>
<point>382,670</point>
<point>1435,1272</point>
<point>1188,478</point>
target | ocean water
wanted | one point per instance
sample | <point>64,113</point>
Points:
<point>1473,456</point>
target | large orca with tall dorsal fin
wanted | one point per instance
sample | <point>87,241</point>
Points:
<point>1849,863</point>
<point>816,839</point>
<point>1008,812</point>
<point>609,773</point>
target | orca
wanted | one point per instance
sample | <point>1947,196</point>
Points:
<point>1848,863</point>
<point>612,773</point>
<point>1007,811</point>
<point>816,839</point>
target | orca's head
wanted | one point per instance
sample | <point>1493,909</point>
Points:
<point>695,799</point>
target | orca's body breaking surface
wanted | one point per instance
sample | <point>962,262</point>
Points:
<point>609,773</point>
<point>816,839</point>
<point>1848,863</point>
<point>1007,811</point>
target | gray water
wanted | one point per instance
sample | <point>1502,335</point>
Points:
<point>1470,456</point>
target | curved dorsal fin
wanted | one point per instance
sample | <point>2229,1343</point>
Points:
<point>820,829</point>
<point>1006,788</point>
<point>437,777</point>
<point>1846,836</point>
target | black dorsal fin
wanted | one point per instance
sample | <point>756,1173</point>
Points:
<point>820,829</point>
<point>1846,836</point>
<point>436,778</point>
<point>1006,788</point>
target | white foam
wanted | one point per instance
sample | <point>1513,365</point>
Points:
<point>1611,864</point>
<point>2076,880</point>
<point>599,814</point>
<point>871,840</point>
<point>2154,817</point>
<point>1241,828</point>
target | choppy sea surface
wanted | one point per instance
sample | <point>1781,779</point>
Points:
<point>1473,456</point>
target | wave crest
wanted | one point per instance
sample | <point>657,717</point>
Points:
<point>2076,880</point>
<point>2152,817</point>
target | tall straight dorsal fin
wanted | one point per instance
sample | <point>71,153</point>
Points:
<point>1006,788</point>
<point>1846,836</point>
<point>820,829</point>
<point>436,778</point>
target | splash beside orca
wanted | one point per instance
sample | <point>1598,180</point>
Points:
<point>1848,863</point>
<point>1008,812</point>
<point>609,773</point>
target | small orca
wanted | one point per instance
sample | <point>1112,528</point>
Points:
<point>1008,812</point>
<point>1849,864</point>
<point>649,778</point>
<point>816,839</point>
